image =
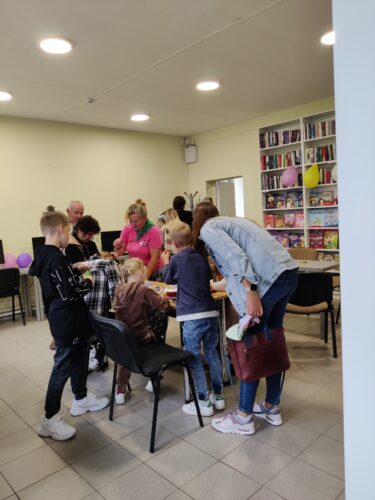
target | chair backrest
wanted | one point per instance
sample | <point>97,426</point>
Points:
<point>303,253</point>
<point>9,281</point>
<point>312,289</point>
<point>119,343</point>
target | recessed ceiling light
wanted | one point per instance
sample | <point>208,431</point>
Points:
<point>140,117</point>
<point>328,38</point>
<point>56,45</point>
<point>205,86</point>
<point>5,96</point>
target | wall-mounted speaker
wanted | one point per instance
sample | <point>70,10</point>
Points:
<point>191,153</point>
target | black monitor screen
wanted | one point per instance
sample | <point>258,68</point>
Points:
<point>2,259</point>
<point>38,241</point>
<point>108,238</point>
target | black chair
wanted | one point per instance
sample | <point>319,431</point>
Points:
<point>314,294</point>
<point>148,359</point>
<point>10,287</point>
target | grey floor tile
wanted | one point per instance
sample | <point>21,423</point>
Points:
<point>166,407</point>
<point>327,398</point>
<point>94,496</point>
<point>265,494</point>
<point>257,460</point>
<point>326,454</point>
<point>4,408</point>
<point>215,443</point>
<point>154,487</point>
<point>180,463</point>
<point>105,465</point>
<point>336,431</point>
<point>180,424</point>
<point>300,481</point>
<point>138,442</point>
<point>5,490</point>
<point>11,423</point>
<point>59,486</point>
<point>123,423</point>
<point>299,389</point>
<point>27,398</point>
<point>289,438</point>
<point>228,484</point>
<point>178,495</point>
<point>32,467</point>
<point>313,417</point>
<point>19,444</point>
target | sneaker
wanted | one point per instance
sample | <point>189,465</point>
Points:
<point>93,364</point>
<point>89,403</point>
<point>218,401</point>
<point>149,387</point>
<point>273,415</point>
<point>233,423</point>
<point>56,428</point>
<point>120,398</point>
<point>206,408</point>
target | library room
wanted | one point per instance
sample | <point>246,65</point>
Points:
<point>138,142</point>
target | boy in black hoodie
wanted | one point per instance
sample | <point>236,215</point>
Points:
<point>67,314</point>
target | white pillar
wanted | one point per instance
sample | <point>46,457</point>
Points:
<point>354,69</point>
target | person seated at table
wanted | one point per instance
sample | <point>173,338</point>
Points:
<point>170,216</point>
<point>142,239</point>
<point>197,311</point>
<point>81,246</point>
<point>132,304</point>
<point>184,215</point>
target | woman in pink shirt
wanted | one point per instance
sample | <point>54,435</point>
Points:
<point>141,238</point>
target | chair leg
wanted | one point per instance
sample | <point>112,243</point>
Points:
<point>326,326</point>
<point>13,309</point>
<point>156,386</point>
<point>338,313</point>
<point>129,388</point>
<point>22,311</point>
<point>112,400</point>
<point>194,394</point>
<point>333,332</point>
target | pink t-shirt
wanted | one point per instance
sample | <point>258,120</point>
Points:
<point>141,248</point>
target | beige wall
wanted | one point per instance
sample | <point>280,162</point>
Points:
<point>45,163</point>
<point>233,152</point>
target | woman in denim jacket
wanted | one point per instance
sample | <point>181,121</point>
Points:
<point>261,276</point>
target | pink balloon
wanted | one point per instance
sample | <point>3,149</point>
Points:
<point>24,260</point>
<point>10,261</point>
<point>289,177</point>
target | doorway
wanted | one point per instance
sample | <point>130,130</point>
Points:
<point>227,195</point>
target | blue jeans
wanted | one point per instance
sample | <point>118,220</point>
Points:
<point>195,332</point>
<point>274,303</point>
<point>70,362</point>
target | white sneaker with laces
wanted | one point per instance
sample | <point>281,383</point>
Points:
<point>149,387</point>
<point>206,408</point>
<point>272,415</point>
<point>120,398</point>
<point>56,428</point>
<point>89,403</point>
<point>232,423</point>
<point>217,400</point>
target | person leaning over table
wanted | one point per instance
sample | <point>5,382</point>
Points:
<point>261,277</point>
<point>141,239</point>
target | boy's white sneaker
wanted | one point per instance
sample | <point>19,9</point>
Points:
<point>272,415</point>
<point>149,387</point>
<point>89,403</point>
<point>56,428</point>
<point>218,401</point>
<point>206,408</point>
<point>120,398</point>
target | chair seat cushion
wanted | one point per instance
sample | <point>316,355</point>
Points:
<point>316,308</point>
<point>156,356</point>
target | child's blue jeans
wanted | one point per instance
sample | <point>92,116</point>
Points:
<point>274,303</point>
<point>195,332</point>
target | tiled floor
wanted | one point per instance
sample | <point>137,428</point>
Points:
<point>301,460</point>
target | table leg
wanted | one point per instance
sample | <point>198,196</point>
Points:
<point>26,294</point>
<point>38,300</point>
<point>222,341</point>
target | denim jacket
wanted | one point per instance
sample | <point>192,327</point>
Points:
<point>241,249</point>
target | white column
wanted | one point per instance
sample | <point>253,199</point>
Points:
<point>354,68</point>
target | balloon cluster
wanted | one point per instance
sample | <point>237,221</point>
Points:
<point>22,261</point>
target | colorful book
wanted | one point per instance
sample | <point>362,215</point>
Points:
<point>331,218</point>
<point>278,220</point>
<point>270,201</point>
<point>299,219</point>
<point>316,218</point>
<point>289,220</point>
<point>331,239</point>
<point>316,239</point>
<point>268,221</point>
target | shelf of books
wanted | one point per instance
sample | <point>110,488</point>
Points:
<point>298,216</point>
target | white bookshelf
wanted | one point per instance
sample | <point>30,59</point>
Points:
<point>310,139</point>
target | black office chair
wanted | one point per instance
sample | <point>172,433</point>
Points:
<point>314,294</point>
<point>10,287</point>
<point>148,359</point>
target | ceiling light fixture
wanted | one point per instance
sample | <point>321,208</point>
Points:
<point>56,45</point>
<point>139,117</point>
<point>328,38</point>
<point>209,85</point>
<point>5,96</point>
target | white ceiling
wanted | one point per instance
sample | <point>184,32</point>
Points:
<point>147,56</point>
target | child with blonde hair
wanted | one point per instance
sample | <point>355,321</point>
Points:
<point>133,303</point>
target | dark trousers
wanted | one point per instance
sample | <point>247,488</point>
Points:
<point>70,362</point>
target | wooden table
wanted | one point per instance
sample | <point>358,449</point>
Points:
<point>317,265</point>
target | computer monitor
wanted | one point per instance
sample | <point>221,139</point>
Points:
<point>38,241</point>
<point>2,258</point>
<point>107,238</point>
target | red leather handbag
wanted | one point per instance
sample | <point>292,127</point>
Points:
<point>261,355</point>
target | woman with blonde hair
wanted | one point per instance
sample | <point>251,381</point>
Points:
<point>170,217</point>
<point>141,238</point>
